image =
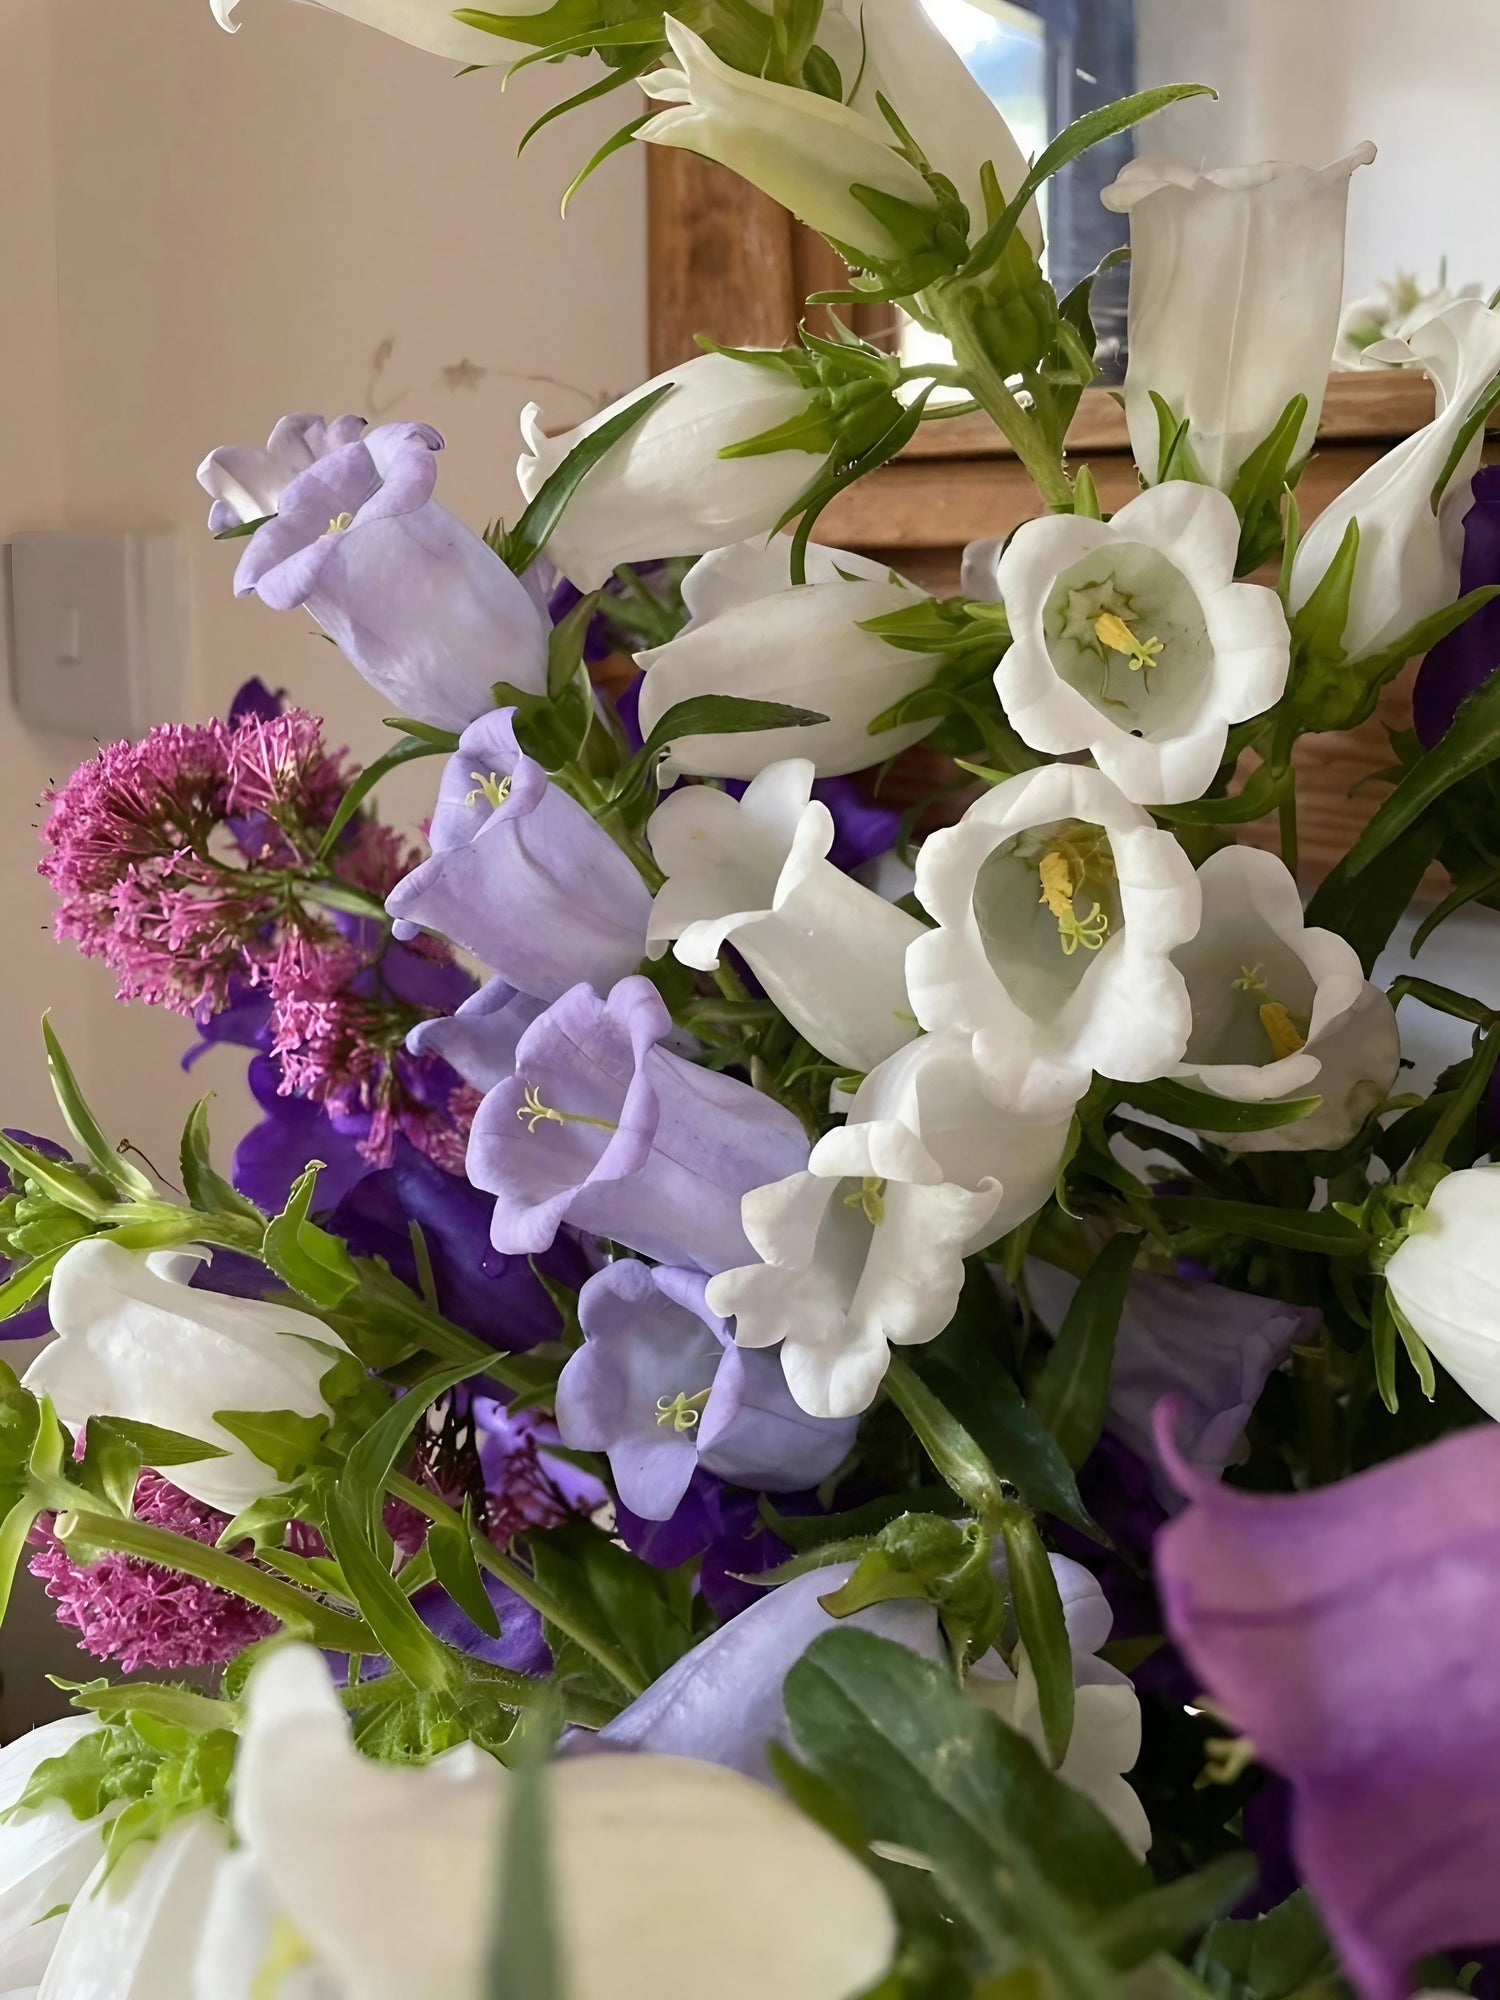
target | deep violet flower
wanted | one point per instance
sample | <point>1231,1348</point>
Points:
<point>601,1128</point>
<point>660,1388</point>
<point>419,605</point>
<point>521,875</point>
<point>292,1132</point>
<point>1351,1633</point>
<point>1464,661</point>
<point>143,1615</point>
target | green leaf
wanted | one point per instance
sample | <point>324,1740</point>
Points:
<point>1263,791</point>
<point>1318,628</point>
<point>928,1768</point>
<point>1283,1955</point>
<point>1165,1916</point>
<point>372,1459</point>
<point>1071,1393</point>
<point>60,1180</point>
<point>1205,1111</point>
<point>159,1447</point>
<point>282,1439</point>
<point>15,1529</point>
<point>1463,437</point>
<point>947,1443</point>
<point>529,536</point>
<point>207,1190</point>
<point>310,1260</point>
<point>1321,1231</point>
<point>1037,1603</point>
<point>404,752</point>
<point>131,1182</point>
<point>714,715</point>
<point>1472,742</point>
<point>23,1284</point>
<point>451,1547</point>
<point>1365,909</point>
<point>565,644</point>
<point>526,1957</point>
<point>383,1605</point>
<point>1077,138</point>
<point>179,1707</point>
<point>608,1594</point>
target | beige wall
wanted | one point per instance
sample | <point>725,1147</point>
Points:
<point>201,232</point>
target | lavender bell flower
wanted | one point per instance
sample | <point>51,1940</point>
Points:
<point>601,1128</point>
<point>520,874</point>
<point>480,1039</point>
<point>661,1388</point>
<point>1351,1633</point>
<point>424,609</point>
<point>1464,661</point>
<point>247,481</point>
<point>1213,1347</point>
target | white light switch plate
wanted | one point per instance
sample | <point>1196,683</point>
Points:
<point>97,622</point>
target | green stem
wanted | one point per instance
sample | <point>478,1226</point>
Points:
<point>389,1300</point>
<point>989,388</point>
<point>521,1581</point>
<point>589,792</point>
<point>95,1533</point>
<point>1286,819</point>
<point>1465,1098</point>
<point>958,1459</point>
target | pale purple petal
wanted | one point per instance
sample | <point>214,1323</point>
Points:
<point>481,1039</point>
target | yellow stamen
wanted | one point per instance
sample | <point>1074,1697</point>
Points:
<point>1056,872</point>
<point>870,1196</point>
<point>338,524</point>
<point>488,786</point>
<point>1251,980</point>
<point>1058,889</point>
<point>1111,630</point>
<point>533,1113</point>
<point>681,1411</point>
<point>1281,1030</point>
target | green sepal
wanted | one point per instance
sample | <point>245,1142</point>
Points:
<point>284,1440</point>
<point>1174,454</point>
<point>207,1190</point>
<point>809,431</point>
<point>1259,484</point>
<point>565,644</point>
<point>946,1564</point>
<point>1318,627</point>
<point>59,1180</point>
<point>307,1258</point>
<point>550,729</point>
<point>706,715</point>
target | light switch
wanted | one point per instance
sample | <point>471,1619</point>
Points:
<point>97,623</point>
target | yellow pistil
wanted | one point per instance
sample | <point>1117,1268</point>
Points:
<point>533,1113</point>
<point>1139,654</point>
<point>870,1196</point>
<point>488,786</point>
<point>1058,891</point>
<point>681,1411</point>
<point>1282,1032</point>
<point>286,1951</point>
<point>338,524</point>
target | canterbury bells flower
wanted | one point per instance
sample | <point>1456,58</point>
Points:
<point>133,1341</point>
<point>1281,1010</point>
<point>664,489</point>
<point>1058,904</point>
<point>1409,555</point>
<point>865,1249</point>
<point>1133,640</point>
<point>752,631</point>
<point>1446,1280</point>
<point>1235,283</point>
<point>425,24</point>
<point>46,1854</point>
<point>755,873</point>
<point>807,152</point>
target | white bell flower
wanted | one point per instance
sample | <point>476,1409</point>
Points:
<point>1445,1278</point>
<point>248,1948</point>
<point>640,1848</point>
<point>1235,283</point>
<point>424,24</point>
<point>46,1854</point>
<point>1133,641</point>
<point>1281,1010</point>
<point>664,489</point>
<point>1409,555</point>
<point>805,151</point>
<point>755,873</point>
<point>865,1249</point>
<point>133,1928</point>
<point>751,631</point>
<point>1058,905</point>
<point>1106,1739</point>
<point>135,1342</point>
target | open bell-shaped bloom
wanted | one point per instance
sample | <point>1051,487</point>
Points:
<point>1445,1278</point>
<point>1281,1009</point>
<point>521,875</point>
<point>1236,278</point>
<point>752,632</point>
<point>1058,904</point>
<point>247,481</point>
<point>639,1851</point>
<point>807,152</point>
<point>1410,553</point>
<point>46,1854</point>
<point>755,873</point>
<point>865,1249</point>
<point>664,489</point>
<point>481,1038</point>
<point>133,1341</point>
<point>599,1127</point>
<point>1132,639</point>
<point>661,1388</point>
<point>424,609</point>
<point>1350,1633</point>
<point>133,1928</point>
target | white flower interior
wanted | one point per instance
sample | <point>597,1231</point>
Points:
<point>1047,904</point>
<point>1252,994</point>
<point>1124,627</point>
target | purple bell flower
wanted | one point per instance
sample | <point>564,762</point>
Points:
<point>479,1040</point>
<point>1214,1348</point>
<point>602,1129</point>
<point>660,1387</point>
<point>520,874</point>
<point>1464,661</point>
<point>292,1132</point>
<point>1351,1633</point>
<point>246,481</point>
<point>424,609</point>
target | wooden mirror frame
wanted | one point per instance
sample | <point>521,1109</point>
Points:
<point>726,261</point>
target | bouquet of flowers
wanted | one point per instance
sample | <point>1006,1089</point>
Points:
<point>792,1397</point>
